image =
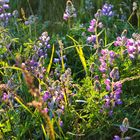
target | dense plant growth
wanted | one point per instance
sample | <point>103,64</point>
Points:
<point>81,83</point>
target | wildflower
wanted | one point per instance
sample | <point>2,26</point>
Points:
<point>96,77</point>
<point>61,123</point>
<point>103,66</point>
<point>107,101</point>
<point>42,45</point>
<point>116,137</point>
<point>124,128</point>
<point>114,74</point>
<point>121,41</point>
<point>110,112</point>
<point>132,48</point>
<point>5,6</point>
<point>97,85</point>
<point>92,25</point>
<point>108,84</point>
<point>46,96</point>
<point>113,99</point>
<point>45,110</point>
<point>107,10</point>
<point>112,54</point>
<point>91,39</point>
<point>69,11</point>
<point>125,125</point>
<point>31,20</point>
<point>118,101</point>
<point>15,14</point>
<point>4,15</point>
<point>5,96</point>
<point>100,25</point>
<point>65,16</point>
<point>104,52</point>
<point>98,14</point>
<point>56,60</point>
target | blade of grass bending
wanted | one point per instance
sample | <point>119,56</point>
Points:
<point>84,45</point>
<point>45,134</point>
<point>51,60</point>
<point>73,39</point>
<point>105,38</point>
<point>80,52</point>
<point>81,55</point>
<point>9,67</point>
<point>100,32</point>
<point>22,104</point>
<point>130,16</point>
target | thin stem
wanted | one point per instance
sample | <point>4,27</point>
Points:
<point>31,10</point>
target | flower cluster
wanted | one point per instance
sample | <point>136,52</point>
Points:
<point>69,11</point>
<point>107,10</point>
<point>44,40</point>
<point>57,97</point>
<point>54,100</point>
<point>124,128</point>
<point>5,96</point>
<point>42,45</point>
<point>121,41</point>
<point>35,68</point>
<point>93,26</point>
<point>132,45</point>
<point>36,62</point>
<point>97,84</point>
<point>106,59</point>
<point>31,20</point>
<point>59,59</point>
<point>114,87</point>
<point>110,75</point>
<point>4,16</point>
<point>60,56</point>
<point>113,99</point>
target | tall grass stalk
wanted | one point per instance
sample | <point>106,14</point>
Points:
<point>80,53</point>
<point>51,60</point>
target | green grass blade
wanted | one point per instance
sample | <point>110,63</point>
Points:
<point>80,52</point>
<point>24,106</point>
<point>51,60</point>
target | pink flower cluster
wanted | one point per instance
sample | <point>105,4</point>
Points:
<point>93,25</point>
<point>107,58</point>
<point>69,11</point>
<point>114,89</point>
<point>132,45</point>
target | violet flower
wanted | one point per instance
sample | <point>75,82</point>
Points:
<point>91,39</point>
<point>46,96</point>
<point>116,138</point>
<point>107,10</point>
<point>114,74</point>
<point>70,11</point>
<point>5,96</point>
<point>121,41</point>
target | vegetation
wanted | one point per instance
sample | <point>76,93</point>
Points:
<point>72,73</point>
